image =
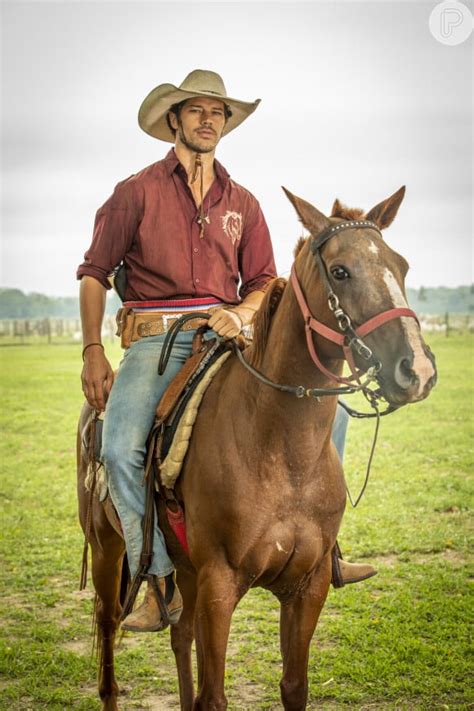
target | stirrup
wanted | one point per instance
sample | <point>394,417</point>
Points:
<point>148,616</point>
<point>336,578</point>
<point>139,578</point>
<point>358,572</point>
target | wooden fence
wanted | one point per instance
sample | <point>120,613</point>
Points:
<point>48,330</point>
<point>447,323</point>
<point>68,330</point>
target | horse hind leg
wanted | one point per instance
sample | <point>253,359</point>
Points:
<point>107,567</point>
<point>108,551</point>
<point>298,619</point>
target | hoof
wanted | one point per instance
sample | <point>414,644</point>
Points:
<point>110,705</point>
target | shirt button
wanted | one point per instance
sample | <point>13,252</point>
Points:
<point>196,250</point>
<point>197,280</point>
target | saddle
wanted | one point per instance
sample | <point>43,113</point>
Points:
<point>169,438</point>
<point>179,392</point>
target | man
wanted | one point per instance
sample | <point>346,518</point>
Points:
<point>190,238</point>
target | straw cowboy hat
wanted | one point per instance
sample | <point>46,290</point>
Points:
<point>154,109</point>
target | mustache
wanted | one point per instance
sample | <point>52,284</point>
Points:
<point>205,128</point>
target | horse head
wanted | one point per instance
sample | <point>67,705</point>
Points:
<point>351,284</point>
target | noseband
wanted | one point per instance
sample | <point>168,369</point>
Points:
<point>350,338</point>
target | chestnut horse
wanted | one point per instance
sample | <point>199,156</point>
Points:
<point>275,449</point>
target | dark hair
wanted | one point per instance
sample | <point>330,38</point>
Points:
<point>176,109</point>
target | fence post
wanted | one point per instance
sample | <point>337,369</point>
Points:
<point>47,325</point>
<point>446,319</point>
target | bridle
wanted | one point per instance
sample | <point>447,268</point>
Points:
<point>349,338</point>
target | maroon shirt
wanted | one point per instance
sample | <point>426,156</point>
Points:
<point>150,222</point>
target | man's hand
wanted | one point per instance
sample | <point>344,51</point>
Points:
<point>226,323</point>
<point>97,377</point>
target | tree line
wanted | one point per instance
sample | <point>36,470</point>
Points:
<point>15,304</point>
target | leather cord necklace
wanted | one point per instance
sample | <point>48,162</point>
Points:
<point>203,218</point>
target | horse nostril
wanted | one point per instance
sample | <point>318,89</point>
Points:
<point>432,381</point>
<point>405,377</point>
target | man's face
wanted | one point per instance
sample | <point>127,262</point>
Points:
<point>200,124</point>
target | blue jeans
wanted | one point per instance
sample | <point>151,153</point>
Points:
<point>129,417</point>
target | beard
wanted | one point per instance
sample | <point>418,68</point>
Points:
<point>195,145</point>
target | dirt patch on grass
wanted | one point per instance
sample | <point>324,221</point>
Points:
<point>77,646</point>
<point>390,560</point>
<point>247,695</point>
<point>22,600</point>
<point>246,698</point>
<point>449,554</point>
<point>455,556</point>
<point>153,702</point>
<point>376,706</point>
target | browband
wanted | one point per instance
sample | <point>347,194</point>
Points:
<point>332,230</point>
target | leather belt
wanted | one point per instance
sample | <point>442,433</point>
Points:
<point>133,325</point>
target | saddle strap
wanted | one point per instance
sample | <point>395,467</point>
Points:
<point>92,462</point>
<point>337,580</point>
<point>148,524</point>
<point>176,387</point>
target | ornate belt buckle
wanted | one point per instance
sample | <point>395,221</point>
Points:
<point>169,317</point>
<point>144,329</point>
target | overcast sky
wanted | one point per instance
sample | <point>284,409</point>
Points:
<point>358,99</point>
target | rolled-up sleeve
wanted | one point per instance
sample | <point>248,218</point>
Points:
<point>115,226</point>
<point>256,260</point>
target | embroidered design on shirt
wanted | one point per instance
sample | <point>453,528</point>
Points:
<point>232,225</point>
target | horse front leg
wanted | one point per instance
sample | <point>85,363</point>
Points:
<point>298,619</point>
<point>182,636</point>
<point>217,595</point>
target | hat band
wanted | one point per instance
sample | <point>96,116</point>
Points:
<point>209,91</point>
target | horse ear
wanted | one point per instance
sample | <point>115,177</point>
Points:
<point>384,213</point>
<point>312,219</point>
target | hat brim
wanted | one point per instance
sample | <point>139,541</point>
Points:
<point>155,107</point>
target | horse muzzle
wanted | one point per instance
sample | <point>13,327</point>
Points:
<point>414,376</point>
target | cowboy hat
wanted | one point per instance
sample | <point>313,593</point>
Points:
<point>154,109</point>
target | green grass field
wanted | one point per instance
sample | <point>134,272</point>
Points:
<point>398,641</point>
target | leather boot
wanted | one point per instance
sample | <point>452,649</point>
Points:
<point>344,573</point>
<point>147,617</point>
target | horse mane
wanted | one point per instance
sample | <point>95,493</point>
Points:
<point>347,213</point>
<point>262,319</point>
<point>338,210</point>
<point>274,292</point>
<point>299,245</point>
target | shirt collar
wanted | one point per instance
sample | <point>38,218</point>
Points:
<point>173,165</point>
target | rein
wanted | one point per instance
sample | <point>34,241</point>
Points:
<point>350,339</point>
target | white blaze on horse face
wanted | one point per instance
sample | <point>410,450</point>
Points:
<point>373,247</point>
<point>422,365</point>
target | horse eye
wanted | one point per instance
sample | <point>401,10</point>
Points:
<point>340,273</point>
